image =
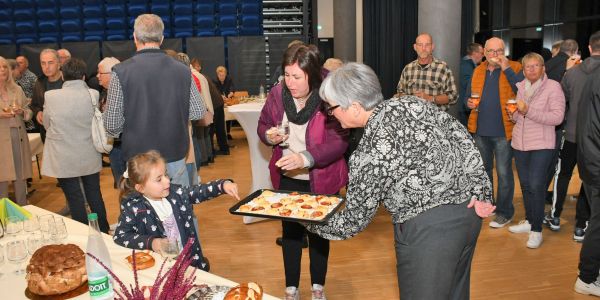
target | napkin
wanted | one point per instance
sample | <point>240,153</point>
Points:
<point>10,209</point>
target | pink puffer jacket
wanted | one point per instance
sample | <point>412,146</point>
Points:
<point>536,131</point>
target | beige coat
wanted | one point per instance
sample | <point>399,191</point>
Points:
<point>8,167</point>
<point>69,150</point>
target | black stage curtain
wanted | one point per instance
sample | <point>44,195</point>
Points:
<point>390,28</point>
<point>466,35</point>
<point>89,52</point>
<point>32,52</point>
<point>173,44</point>
<point>210,51</point>
<point>247,65</point>
<point>120,50</point>
<point>8,51</point>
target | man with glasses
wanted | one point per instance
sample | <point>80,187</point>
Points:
<point>494,81</point>
<point>428,77</point>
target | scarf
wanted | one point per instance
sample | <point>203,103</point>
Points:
<point>302,116</point>
<point>531,88</point>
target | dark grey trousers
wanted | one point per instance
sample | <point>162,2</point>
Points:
<point>434,251</point>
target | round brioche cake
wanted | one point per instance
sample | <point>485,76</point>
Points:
<point>56,269</point>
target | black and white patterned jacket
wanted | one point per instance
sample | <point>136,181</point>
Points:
<point>139,224</point>
<point>411,158</point>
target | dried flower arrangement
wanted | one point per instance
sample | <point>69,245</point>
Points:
<point>173,285</point>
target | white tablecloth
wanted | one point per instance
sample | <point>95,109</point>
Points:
<point>13,286</point>
<point>247,115</point>
<point>35,143</point>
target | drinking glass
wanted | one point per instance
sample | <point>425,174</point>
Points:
<point>14,226</point>
<point>283,129</point>
<point>47,226</point>
<point>16,252</point>
<point>170,248</point>
<point>60,232</point>
<point>31,224</point>
<point>34,242</point>
<point>476,99</point>
<point>511,104</point>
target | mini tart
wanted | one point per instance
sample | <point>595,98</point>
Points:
<point>245,208</point>
<point>267,194</point>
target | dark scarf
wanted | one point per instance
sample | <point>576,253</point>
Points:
<point>302,116</point>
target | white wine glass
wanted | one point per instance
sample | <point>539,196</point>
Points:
<point>14,226</point>
<point>283,129</point>
<point>60,232</point>
<point>16,252</point>
<point>34,242</point>
<point>31,224</point>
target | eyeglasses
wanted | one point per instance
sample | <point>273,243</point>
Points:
<point>497,51</point>
<point>534,66</point>
<point>330,108</point>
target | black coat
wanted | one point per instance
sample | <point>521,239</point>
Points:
<point>588,132</point>
<point>139,224</point>
<point>556,66</point>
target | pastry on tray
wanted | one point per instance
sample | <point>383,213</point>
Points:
<point>292,205</point>
<point>143,260</point>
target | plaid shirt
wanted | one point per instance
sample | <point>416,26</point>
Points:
<point>433,79</point>
<point>113,115</point>
<point>27,81</point>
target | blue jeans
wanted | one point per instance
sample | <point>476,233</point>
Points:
<point>177,170</point>
<point>532,167</point>
<point>117,164</point>
<point>499,148</point>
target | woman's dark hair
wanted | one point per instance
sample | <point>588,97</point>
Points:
<point>307,57</point>
<point>73,69</point>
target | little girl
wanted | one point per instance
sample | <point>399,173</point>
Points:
<point>154,211</point>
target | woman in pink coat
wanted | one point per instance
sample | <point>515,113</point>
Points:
<point>540,107</point>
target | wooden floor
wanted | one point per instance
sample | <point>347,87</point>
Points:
<point>364,266</point>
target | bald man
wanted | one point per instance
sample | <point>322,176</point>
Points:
<point>427,77</point>
<point>494,81</point>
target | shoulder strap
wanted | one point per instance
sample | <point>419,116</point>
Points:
<point>94,103</point>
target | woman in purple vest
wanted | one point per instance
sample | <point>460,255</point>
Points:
<point>309,158</point>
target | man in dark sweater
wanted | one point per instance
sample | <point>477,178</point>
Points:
<point>50,80</point>
<point>151,99</point>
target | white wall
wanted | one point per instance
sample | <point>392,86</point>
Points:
<point>325,18</point>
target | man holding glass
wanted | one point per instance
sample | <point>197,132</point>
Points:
<point>494,81</point>
<point>428,77</point>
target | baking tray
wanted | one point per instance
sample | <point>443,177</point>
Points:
<point>233,209</point>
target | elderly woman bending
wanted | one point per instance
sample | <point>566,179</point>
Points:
<point>423,166</point>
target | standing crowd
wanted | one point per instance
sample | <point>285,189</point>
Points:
<point>431,171</point>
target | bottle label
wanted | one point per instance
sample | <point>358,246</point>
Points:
<point>99,286</point>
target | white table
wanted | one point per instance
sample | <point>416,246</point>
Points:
<point>247,115</point>
<point>37,147</point>
<point>13,286</point>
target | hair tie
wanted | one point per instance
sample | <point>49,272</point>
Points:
<point>126,174</point>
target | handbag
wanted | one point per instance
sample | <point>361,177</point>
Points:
<point>102,142</point>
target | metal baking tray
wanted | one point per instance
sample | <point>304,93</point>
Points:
<point>233,209</point>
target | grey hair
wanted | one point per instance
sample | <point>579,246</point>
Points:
<point>12,63</point>
<point>108,63</point>
<point>184,58</point>
<point>353,82</point>
<point>569,46</point>
<point>51,51</point>
<point>148,28</point>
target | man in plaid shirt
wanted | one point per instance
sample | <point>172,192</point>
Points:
<point>428,77</point>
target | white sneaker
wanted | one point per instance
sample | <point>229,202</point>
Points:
<point>522,227</point>
<point>291,293</point>
<point>535,240</point>
<point>317,292</point>
<point>587,288</point>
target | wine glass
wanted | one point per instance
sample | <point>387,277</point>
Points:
<point>34,241</point>
<point>31,224</point>
<point>14,226</point>
<point>16,252</point>
<point>60,232</point>
<point>170,248</point>
<point>284,130</point>
<point>47,226</point>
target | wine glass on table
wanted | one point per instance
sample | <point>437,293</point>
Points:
<point>31,224</point>
<point>170,249</point>
<point>14,226</point>
<point>16,252</point>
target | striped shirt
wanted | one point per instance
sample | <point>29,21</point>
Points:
<point>434,79</point>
